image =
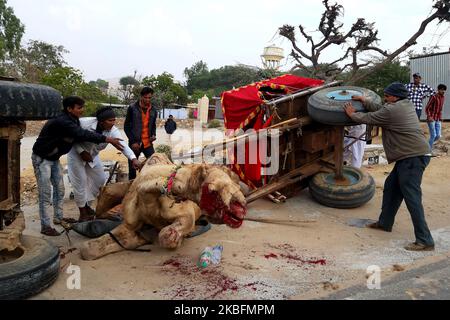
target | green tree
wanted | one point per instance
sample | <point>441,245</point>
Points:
<point>195,75</point>
<point>391,72</point>
<point>45,56</point>
<point>69,81</point>
<point>35,60</point>
<point>198,94</point>
<point>66,80</point>
<point>128,88</point>
<point>90,92</point>
<point>128,81</point>
<point>196,70</point>
<point>216,81</point>
<point>167,91</point>
<point>101,84</point>
<point>11,31</point>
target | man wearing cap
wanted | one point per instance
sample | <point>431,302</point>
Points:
<point>405,144</point>
<point>417,92</point>
<point>86,172</point>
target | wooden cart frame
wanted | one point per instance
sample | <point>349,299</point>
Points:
<point>306,147</point>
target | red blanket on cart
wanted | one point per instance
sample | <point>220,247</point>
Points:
<point>241,106</point>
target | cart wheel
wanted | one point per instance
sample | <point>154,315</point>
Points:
<point>24,101</point>
<point>357,189</point>
<point>28,270</point>
<point>327,106</point>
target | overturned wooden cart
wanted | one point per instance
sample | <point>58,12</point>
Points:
<point>28,264</point>
<point>306,116</point>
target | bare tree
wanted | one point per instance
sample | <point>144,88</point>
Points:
<point>127,87</point>
<point>361,54</point>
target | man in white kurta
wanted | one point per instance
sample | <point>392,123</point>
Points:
<point>85,169</point>
<point>355,153</point>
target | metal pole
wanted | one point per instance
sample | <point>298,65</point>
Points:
<point>339,154</point>
<point>303,93</point>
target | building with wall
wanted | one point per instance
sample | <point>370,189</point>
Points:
<point>435,69</point>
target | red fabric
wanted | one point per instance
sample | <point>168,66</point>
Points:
<point>253,171</point>
<point>170,182</point>
<point>242,104</point>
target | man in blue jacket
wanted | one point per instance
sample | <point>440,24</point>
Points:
<point>55,140</point>
<point>140,127</point>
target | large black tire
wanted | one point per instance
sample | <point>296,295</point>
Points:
<point>23,101</point>
<point>358,189</point>
<point>35,271</point>
<point>330,111</point>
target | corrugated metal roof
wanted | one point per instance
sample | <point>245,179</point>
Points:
<point>430,55</point>
<point>435,69</point>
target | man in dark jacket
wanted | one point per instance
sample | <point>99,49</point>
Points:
<point>140,127</point>
<point>405,144</point>
<point>170,126</point>
<point>55,140</point>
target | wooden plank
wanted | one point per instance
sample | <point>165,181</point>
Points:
<point>7,205</point>
<point>287,180</point>
<point>281,127</point>
<point>10,236</point>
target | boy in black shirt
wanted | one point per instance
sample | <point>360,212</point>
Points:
<point>55,140</point>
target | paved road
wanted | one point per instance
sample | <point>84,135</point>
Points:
<point>430,282</point>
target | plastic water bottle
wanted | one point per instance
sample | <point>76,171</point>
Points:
<point>217,254</point>
<point>205,258</point>
<point>211,255</point>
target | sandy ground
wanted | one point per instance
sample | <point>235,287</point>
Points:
<point>261,261</point>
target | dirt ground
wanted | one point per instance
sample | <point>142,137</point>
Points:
<point>35,127</point>
<point>261,261</point>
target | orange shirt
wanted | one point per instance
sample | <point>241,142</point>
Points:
<point>145,128</point>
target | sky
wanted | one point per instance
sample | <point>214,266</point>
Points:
<point>112,38</point>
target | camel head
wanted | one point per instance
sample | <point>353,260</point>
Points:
<point>221,197</point>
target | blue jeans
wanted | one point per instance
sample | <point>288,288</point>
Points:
<point>419,113</point>
<point>435,131</point>
<point>49,174</point>
<point>404,184</point>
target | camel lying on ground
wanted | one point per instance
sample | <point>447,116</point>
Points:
<point>170,198</point>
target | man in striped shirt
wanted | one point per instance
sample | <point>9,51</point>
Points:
<point>417,91</point>
<point>434,114</point>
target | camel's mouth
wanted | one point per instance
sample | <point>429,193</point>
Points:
<point>234,217</point>
<point>219,213</point>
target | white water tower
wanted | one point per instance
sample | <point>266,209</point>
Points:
<point>272,57</point>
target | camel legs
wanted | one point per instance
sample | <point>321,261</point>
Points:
<point>183,215</point>
<point>97,248</point>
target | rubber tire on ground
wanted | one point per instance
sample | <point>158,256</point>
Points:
<point>361,190</point>
<point>35,271</point>
<point>24,101</point>
<point>328,111</point>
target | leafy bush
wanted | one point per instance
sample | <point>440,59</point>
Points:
<point>90,108</point>
<point>164,148</point>
<point>214,124</point>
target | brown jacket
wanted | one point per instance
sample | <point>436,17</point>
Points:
<point>402,136</point>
